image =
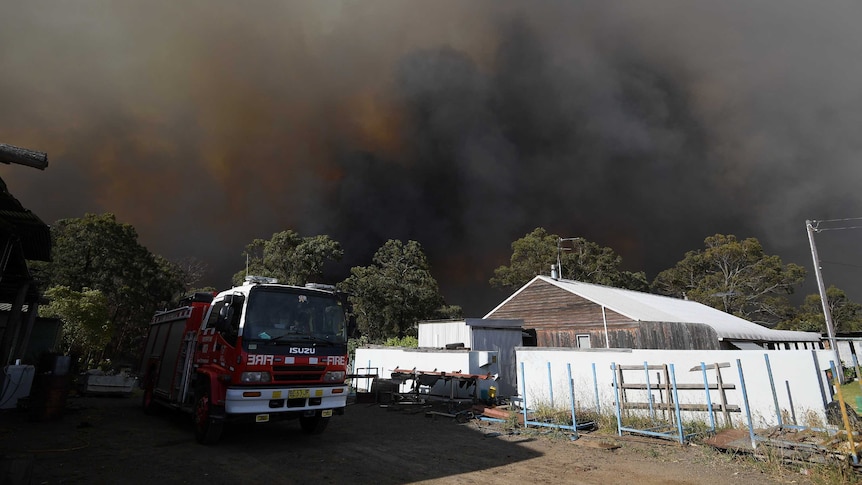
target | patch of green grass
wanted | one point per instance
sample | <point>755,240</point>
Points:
<point>850,391</point>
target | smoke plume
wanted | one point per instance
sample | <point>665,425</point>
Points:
<point>464,125</point>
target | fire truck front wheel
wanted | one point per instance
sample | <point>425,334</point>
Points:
<point>313,424</point>
<point>207,429</point>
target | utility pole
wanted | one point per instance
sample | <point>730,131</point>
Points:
<point>810,225</point>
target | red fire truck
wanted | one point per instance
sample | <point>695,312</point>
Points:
<point>256,353</point>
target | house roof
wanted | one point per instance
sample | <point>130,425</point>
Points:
<point>647,307</point>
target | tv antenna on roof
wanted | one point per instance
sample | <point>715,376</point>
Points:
<point>559,268</point>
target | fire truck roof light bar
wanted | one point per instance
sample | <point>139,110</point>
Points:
<point>320,286</point>
<point>256,280</point>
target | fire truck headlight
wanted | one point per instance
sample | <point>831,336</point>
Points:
<point>254,377</point>
<point>334,376</point>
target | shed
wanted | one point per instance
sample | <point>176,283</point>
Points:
<point>500,335</point>
<point>566,313</point>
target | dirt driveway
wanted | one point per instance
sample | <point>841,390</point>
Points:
<point>109,440</point>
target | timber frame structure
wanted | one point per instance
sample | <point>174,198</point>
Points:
<point>23,237</point>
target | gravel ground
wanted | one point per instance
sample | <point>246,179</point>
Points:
<point>109,440</point>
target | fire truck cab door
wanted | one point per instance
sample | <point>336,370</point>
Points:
<point>224,317</point>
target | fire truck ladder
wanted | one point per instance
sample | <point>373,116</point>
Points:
<point>181,378</point>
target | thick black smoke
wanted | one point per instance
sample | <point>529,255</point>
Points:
<point>645,127</point>
<point>490,155</point>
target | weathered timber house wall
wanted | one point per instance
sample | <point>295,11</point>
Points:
<point>639,335</point>
<point>559,317</point>
<point>542,304</point>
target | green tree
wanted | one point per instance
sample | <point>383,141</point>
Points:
<point>99,253</point>
<point>846,314</point>
<point>395,292</point>
<point>581,260</point>
<point>291,259</point>
<point>87,328</point>
<point>734,276</point>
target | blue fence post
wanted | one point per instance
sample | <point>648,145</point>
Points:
<point>550,385</point>
<point>524,389</point>
<point>774,394</point>
<point>676,405</point>
<point>572,398</point>
<point>745,401</point>
<point>708,397</point>
<point>596,386</point>
<point>820,378</point>
<point>790,400</point>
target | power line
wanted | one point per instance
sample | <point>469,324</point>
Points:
<point>836,263</point>
<point>818,229</point>
<point>815,225</point>
<point>840,220</point>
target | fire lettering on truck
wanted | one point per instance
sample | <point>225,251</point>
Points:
<point>258,359</point>
<point>335,360</point>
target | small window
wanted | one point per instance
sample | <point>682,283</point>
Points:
<point>583,341</point>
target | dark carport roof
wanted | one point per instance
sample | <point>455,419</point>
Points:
<point>30,239</point>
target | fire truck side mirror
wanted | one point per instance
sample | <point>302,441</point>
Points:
<point>225,315</point>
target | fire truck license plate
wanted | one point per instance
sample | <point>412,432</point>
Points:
<point>261,418</point>
<point>326,413</point>
<point>298,393</point>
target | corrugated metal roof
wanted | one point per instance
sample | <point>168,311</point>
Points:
<point>646,307</point>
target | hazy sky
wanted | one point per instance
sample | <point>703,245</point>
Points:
<point>643,126</point>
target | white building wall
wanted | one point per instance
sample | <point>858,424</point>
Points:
<point>846,352</point>
<point>436,335</point>
<point>546,372</point>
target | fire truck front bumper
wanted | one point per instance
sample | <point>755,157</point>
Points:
<point>285,400</point>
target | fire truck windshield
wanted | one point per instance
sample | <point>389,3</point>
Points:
<point>284,315</point>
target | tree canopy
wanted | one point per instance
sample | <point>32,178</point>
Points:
<point>581,260</point>
<point>290,258</point>
<point>846,315</point>
<point>87,328</point>
<point>734,276</point>
<point>98,253</point>
<point>394,292</point>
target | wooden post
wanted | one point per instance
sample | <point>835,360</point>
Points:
<point>722,395</point>
<point>622,389</point>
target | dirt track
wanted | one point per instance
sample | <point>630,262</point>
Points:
<point>109,440</point>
